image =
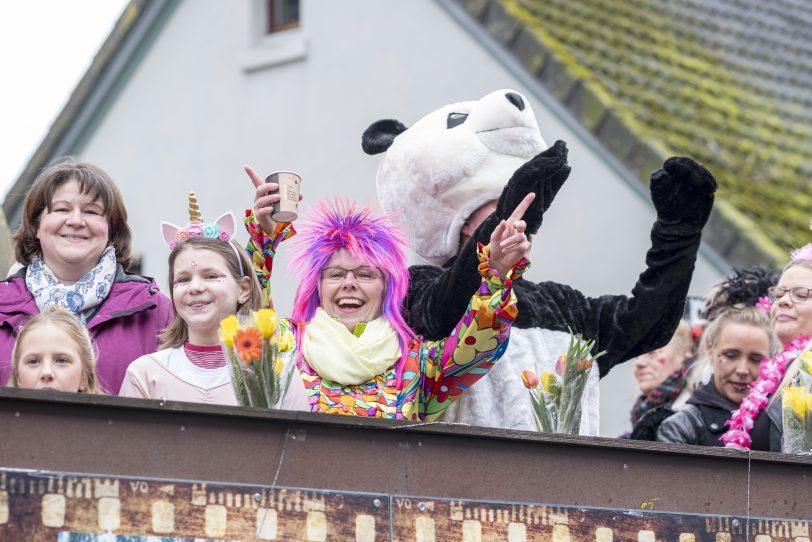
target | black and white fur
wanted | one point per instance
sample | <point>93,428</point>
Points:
<point>625,326</point>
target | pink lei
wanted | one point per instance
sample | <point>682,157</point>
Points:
<point>771,372</point>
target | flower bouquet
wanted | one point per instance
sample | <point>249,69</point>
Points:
<point>252,346</point>
<point>796,405</point>
<point>557,397</point>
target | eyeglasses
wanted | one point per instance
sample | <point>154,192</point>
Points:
<point>361,274</point>
<point>798,294</point>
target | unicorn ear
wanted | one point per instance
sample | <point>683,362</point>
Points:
<point>227,223</point>
<point>169,232</point>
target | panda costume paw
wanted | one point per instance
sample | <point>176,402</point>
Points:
<point>543,174</point>
<point>682,192</point>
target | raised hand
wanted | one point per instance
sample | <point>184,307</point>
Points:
<point>509,242</point>
<point>682,192</point>
<point>543,174</point>
<point>265,195</point>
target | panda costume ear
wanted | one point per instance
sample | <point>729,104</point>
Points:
<point>380,135</point>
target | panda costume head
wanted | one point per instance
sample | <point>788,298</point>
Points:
<point>449,163</point>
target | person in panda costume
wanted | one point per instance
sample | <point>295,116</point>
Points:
<point>446,175</point>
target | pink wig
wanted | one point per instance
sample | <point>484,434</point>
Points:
<point>366,235</point>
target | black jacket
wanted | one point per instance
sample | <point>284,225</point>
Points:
<point>701,421</point>
<point>768,429</point>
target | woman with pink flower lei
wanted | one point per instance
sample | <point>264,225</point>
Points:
<point>732,348</point>
<point>756,424</point>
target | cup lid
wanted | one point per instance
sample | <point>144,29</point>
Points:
<point>283,171</point>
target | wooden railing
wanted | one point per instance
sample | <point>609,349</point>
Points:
<point>430,465</point>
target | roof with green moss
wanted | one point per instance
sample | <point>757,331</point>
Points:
<point>728,82</point>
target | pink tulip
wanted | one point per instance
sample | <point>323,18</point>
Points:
<point>561,365</point>
<point>530,379</point>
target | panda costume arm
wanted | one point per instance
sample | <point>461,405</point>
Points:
<point>435,298</point>
<point>625,326</point>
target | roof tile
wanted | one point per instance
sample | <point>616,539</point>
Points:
<point>728,82</point>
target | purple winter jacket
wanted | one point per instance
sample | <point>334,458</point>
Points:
<point>125,327</point>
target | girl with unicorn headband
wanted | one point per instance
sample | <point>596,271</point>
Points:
<point>210,278</point>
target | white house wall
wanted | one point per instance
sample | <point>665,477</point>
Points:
<point>191,116</point>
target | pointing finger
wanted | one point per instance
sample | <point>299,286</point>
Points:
<point>256,179</point>
<point>518,213</point>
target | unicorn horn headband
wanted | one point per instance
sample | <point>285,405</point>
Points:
<point>194,210</point>
<point>222,228</point>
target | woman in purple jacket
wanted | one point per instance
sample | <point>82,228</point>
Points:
<point>74,245</point>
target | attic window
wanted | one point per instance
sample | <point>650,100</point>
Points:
<point>282,15</point>
<point>277,35</point>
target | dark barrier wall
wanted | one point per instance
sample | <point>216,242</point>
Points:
<point>406,465</point>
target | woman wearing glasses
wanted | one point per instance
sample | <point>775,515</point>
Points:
<point>354,351</point>
<point>791,315</point>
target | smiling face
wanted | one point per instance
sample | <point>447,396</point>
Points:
<point>349,299</point>
<point>652,368</point>
<point>73,233</point>
<point>49,359</point>
<point>790,318</point>
<point>736,358</point>
<point>204,292</point>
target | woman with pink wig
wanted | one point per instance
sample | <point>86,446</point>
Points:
<point>354,351</point>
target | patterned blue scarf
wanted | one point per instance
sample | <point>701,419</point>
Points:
<point>80,298</point>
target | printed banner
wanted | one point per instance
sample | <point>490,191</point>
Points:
<point>55,507</point>
<point>435,520</point>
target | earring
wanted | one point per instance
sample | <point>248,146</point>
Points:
<point>707,374</point>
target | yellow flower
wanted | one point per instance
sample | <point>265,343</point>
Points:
<point>278,366</point>
<point>474,341</point>
<point>266,321</point>
<point>794,398</point>
<point>228,327</point>
<point>286,341</point>
<point>548,380</point>
<point>806,362</point>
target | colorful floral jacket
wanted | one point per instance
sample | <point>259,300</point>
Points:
<point>435,373</point>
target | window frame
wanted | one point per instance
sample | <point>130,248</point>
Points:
<point>271,26</point>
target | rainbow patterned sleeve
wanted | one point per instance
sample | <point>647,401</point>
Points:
<point>262,247</point>
<point>454,364</point>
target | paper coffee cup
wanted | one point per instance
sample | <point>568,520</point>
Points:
<point>287,208</point>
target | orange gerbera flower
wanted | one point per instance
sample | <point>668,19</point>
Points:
<point>248,343</point>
